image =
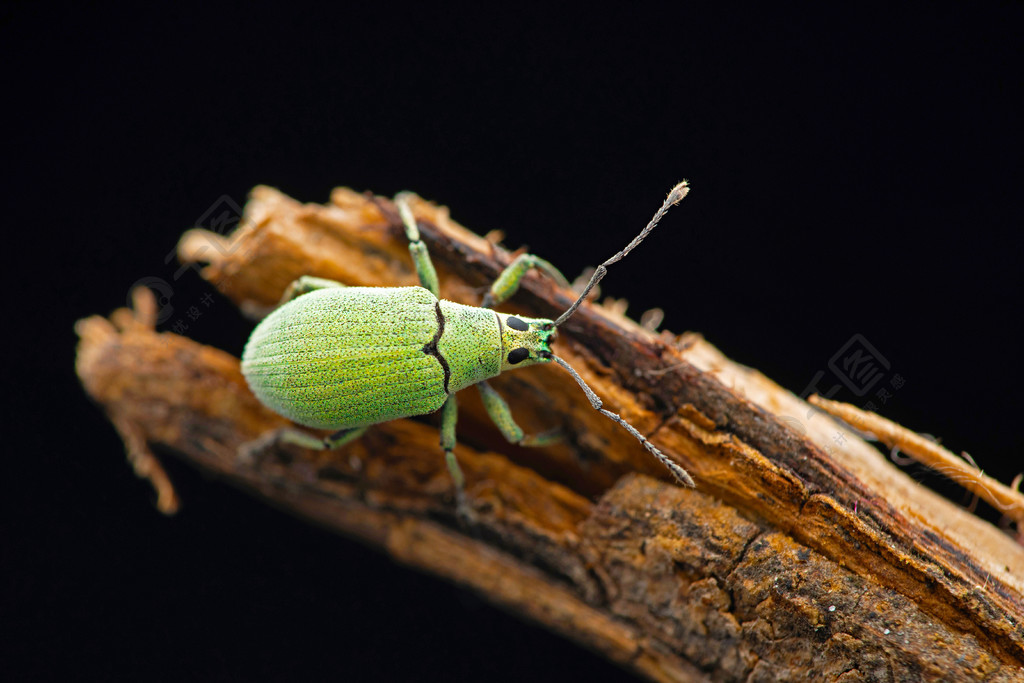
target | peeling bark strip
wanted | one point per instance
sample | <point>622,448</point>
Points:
<point>786,562</point>
<point>1007,499</point>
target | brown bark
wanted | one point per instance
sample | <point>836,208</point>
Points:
<point>793,559</point>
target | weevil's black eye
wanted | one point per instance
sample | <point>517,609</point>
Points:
<point>518,355</point>
<point>517,324</point>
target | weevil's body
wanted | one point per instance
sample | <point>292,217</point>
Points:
<point>345,357</point>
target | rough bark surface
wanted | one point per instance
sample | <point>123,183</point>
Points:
<point>794,559</point>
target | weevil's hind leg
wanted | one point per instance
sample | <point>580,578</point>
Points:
<point>500,414</point>
<point>305,285</point>
<point>252,452</point>
<point>449,416</point>
<point>420,255</point>
<point>508,281</point>
<point>342,437</point>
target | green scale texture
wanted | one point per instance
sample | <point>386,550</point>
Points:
<point>348,357</point>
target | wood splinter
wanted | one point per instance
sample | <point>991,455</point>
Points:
<point>1008,500</point>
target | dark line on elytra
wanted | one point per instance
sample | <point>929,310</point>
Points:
<point>430,348</point>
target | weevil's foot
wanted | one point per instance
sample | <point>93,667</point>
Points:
<point>551,436</point>
<point>464,512</point>
<point>254,453</point>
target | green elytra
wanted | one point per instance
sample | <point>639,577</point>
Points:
<point>345,358</point>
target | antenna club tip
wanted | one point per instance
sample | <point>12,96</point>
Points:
<point>677,193</point>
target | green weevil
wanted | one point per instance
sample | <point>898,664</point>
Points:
<point>344,358</point>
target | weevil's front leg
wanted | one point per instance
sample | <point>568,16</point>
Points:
<point>508,281</point>
<point>253,451</point>
<point>420,256</point>
<point>500,414</point>
<point>305,285</point>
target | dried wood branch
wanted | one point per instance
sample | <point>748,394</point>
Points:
<point>796,557</point>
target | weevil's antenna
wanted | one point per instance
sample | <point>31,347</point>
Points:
<point>681,475</point>
<point>674,197</point>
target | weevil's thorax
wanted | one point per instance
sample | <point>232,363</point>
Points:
<point>525,341</point>
<point>478,343</point>
<point>469,345</point>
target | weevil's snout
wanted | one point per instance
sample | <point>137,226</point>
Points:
<point>546,354</point>
<point>525,341</point>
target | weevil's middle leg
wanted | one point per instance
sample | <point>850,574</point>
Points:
<point>500,414</point>
<point>449,416</point>
<point>508,281</point>
<point>420,255</point>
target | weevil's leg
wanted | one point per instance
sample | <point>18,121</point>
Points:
<point>449,415</point>
<point>507,283</point>
<point>341,437</point>
<point>252,451</point>
<point>420,256</point>
<point>500,414</point>
<point>305,285</point>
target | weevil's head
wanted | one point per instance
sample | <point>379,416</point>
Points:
<point>525,341</point>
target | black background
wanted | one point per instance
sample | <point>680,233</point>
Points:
<point>852,174</point>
